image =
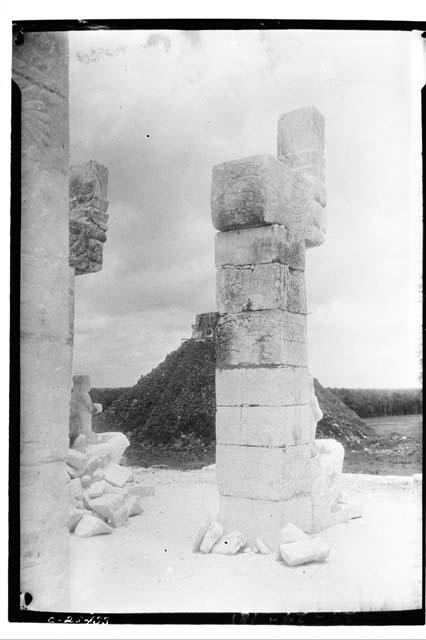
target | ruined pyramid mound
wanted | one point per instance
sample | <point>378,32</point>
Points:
<point>178,398</point>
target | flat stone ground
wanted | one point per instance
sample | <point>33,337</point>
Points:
<point>148,565</point>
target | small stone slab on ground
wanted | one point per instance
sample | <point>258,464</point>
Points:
<point>303,551</point>
<point>91,526</point>
<point>212,535</point>
<point>112,508</point>
<point>230,543</point>
<point>261,547</point>
<point>291,533</point>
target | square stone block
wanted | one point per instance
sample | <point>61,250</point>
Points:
<point>264,426</point>
<point>270,337</point>
<point>260,245</point>
<point>263,386</point>
<point>263,473</point>
<point>264,518</point>
<point>261,286</point>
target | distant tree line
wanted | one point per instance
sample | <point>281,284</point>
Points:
<point>106,395</point>
<point>371,403</point>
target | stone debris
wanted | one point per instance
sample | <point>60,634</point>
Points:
<point>74,517</point>
<point>134,505</point>
<point>91,526</point>
<point>291,533</point>
<point>118,476</point>
<point>85,481</point>
<point>112,508</point>
<point>230,543</point>
<point>76,459</point>
<point>303,551</point>
<point>212,535</point>
<point>200,535</point>
<point>96,489</point>
<point>261,547</point>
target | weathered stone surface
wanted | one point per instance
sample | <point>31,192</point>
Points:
<point>263,473</point>
<point>264,426</point>
<point>74,517</point>
<point>301,136</point>
<point>76,459</point>
<point>75,492</point>
<point>264,518</point>
<point>212,535</point>
<point>261,286</point>
<point>230,543</point>
<point>260,245</point>
<point>280,386</point>
<point>291,533</point>
<point>91,526</point>
<point>88,220</point>
<point>204,327</point>
<point>140,490</point>
<point>312,550</point>
<point>261,338</point>
<point>134,505</point>
<point>199,536</point>
<point>96,489</point>
<point>112,508</point>
<point>117,476</point>
<point>261,547</point>
<point>85,481</point>
<point>112,443</point>
<point>261,190</point>
<point>97,462</point>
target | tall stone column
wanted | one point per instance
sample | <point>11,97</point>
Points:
<point>40,68</point>
<point>266,210</point>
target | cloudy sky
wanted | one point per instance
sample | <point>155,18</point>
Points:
<point>159,109</point>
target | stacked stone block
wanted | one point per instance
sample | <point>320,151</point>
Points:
<point>266,211</point>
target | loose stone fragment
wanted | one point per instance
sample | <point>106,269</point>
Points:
<point>96,489</point>
<point>85,481</point>
<point>118,476</point>
<point>140,490</point>
<point>80,443</point>
<point>74,517</point>
<point>97,462</point>
<point>134,506</point>
<point>111,508</point>
<point>261,547</point>
<point>291,533</point>
<point>303,551</point>
<point>230,544</point>
<point>212,535</point>
<point>99,474</point>
<point>76,459</point>
<point>91,526</point>
<point>199,537</point>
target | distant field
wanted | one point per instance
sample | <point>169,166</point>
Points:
<point>371,403</point>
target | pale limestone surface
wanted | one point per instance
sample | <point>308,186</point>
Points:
<point>260,245</point>
<point>40,68</point>
<point>275,386</point>
<point>230,543</point>
<point>263,473</point>
<point>261,286</point>
<point>261,338</point>
<point>303,551</point>
<point>264,426</point>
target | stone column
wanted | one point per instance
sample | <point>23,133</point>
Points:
<point>266,211</point>
<point>40,68</point>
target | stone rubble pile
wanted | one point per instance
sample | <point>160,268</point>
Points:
<point>102,493</point>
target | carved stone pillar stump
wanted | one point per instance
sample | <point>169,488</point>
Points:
<point>266,211</point>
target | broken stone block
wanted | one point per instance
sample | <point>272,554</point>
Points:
<point>271,337</point>
<point>260,245</point>
<point>112,508</point>
<point>260,546</point>
<point>261,190</point>
<point>291,533</point>
<point>212,535</point>
<point>112,443</point>
<point>263,473</point>
<point>264,426</point>
<point>134,505</point>
<point>74,517</point>
<point>261,386</point>
<point>303,551</point>
<point>85,481</point>
<point>140,490</point>
<point>75,492</point>
<point>230,543</point>
<point>264,518</point>
<point>259,287</point>
<point>97,462</point>
<point>76,459</point>
<point>200,535</point>
<point>117,476</point>
<point>99,474</point>
<point>96,489</point>
<point>91,526</point>
<point>110,488</point>
<point>80,443</point>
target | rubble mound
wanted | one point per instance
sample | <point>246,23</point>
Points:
<point>177,399</point>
